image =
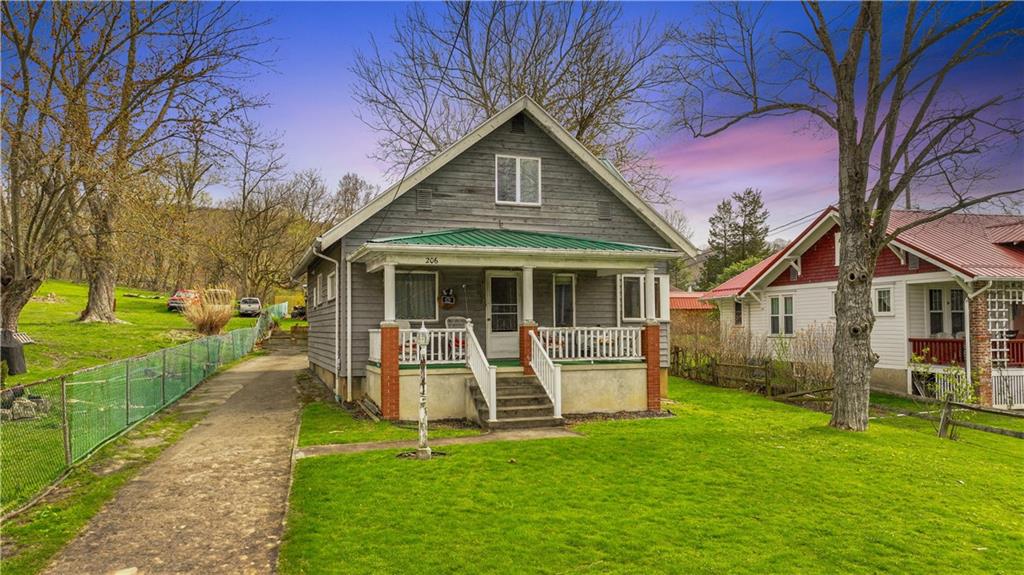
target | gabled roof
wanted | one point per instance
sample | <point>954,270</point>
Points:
<point>601,169</point>
<point>972,246</point>
<point>505,238</point>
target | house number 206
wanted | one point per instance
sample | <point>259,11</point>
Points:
<point>431,260</point>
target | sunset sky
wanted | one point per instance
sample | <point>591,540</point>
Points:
<point>310,92</point>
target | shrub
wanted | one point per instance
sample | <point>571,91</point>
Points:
<point>211,311</point>
<point>810,352</point>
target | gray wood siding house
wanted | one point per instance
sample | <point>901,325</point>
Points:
<point>516,229</point>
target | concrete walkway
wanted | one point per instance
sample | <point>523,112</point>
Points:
<point>215,501</point>
<point>511,435</point>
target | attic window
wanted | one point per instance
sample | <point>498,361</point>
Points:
<point>604,210</point>
<point>913,262</point>
<point>517,124</point>
<point>424,199</point>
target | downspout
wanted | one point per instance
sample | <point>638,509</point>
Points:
<point>337,312</point>
<point>348,328</point>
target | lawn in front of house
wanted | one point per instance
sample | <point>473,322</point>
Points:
<point>734,483</point>
<point>325,422</point>
<point>63,344</point>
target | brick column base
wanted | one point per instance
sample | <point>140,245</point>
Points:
<point>981,348</point>
<point>525,349</point>
<point>651,342</point>
<point>389,385</point>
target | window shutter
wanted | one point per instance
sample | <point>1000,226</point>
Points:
<point>424,199</point>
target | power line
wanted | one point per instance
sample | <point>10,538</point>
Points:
<point>795,222</point>
<point>426,118</point>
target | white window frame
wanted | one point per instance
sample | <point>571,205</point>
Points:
<point>519,181</point>
<point>737,306</point>
<point>437,284</point>
<point>331,291</point>
<point>839,237</point>
<point>782,315</point>
<point>554,297</point>
<point>962,310</point>
<point>892,301</point>
<point>316,290</point>
<point>834,292</point>
<point>661,280</point>
<point>928,311</point>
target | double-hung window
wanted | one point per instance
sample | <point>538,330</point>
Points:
<point>416,295</point>
<point>956,311</point>
<point>633,297</point>
<point>517,180</point>
<point>331,286</point>
<point>883,301</point>
<point>737,313</point>
<point>935,312</point>
<point>781,318</point>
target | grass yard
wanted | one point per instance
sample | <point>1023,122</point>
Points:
<point>64,345</point>
<point>325,422</point>
<point>734,483</point>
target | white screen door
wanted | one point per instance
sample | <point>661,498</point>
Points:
<point>502,314</point>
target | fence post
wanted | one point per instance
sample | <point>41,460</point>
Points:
<point>768,377</point>
<point>190,365</point>
<point>66,420</point>
<point>209,360</point>
<point>163,379</point>
<point>127,392</point>
<point>947,409</point>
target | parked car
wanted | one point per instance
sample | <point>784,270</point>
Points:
<point>299,312</point>
<point>249,307</point>
<point>180,299</point>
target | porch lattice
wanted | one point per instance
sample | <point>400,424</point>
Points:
<point>1001,298</point>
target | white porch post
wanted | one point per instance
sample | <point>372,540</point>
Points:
<point>527,295</point>
<point>389,292</point>
<point>649,295</point>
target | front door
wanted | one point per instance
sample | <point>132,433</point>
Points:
<point>502,314</point>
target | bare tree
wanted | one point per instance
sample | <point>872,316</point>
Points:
<point>889,102</point>
<point>585,63</point>
<point>353,192</point>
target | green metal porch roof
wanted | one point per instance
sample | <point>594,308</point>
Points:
<point>516,239</point>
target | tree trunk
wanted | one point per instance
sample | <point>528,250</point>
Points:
<point>16,294</point>
<point>853,359</point>
<point>101,274</point>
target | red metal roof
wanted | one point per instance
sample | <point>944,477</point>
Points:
<point>975,245</point>
<point>688,300</point>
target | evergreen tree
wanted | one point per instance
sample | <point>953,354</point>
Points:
<point>721,243</point>
<point>751,225</point>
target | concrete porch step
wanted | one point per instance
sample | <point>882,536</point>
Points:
<point>526,422</point>
<point>520,411</point>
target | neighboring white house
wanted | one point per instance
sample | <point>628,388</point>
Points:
<point>950,291</point>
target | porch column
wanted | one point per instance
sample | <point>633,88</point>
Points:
<point>389,383</point>
<point>980,347</point>
<point>528,324</point>
<point>389,293</point>
<point>651,342</point>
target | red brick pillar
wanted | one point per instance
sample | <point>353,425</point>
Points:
<point>651,342</point>
<point>389,370</point>
<point>981,348</point>
<point>525,349</point>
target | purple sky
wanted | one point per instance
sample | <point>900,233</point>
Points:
<point>312,105</point>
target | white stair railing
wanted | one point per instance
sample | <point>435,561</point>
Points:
<point>548,372</point>
<point>486,375</point>
<point>592,343</point>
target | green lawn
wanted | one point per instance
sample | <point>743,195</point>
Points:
<point>327,422</point>
<point>64,345</point>
<point>734,483</point>
<point>935,410</point>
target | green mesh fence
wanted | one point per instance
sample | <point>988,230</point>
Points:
<point>100,403</point>
<point>32,438</point>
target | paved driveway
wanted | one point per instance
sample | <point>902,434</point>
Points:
<point>215,501</point>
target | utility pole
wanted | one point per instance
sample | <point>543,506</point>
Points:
<point>422,450</point>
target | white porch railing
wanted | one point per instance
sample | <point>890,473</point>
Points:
<point>548,372</point>
<point>446,345</point>
<point>592,343</point>
<point>374,345</point>
<point>486,375</point>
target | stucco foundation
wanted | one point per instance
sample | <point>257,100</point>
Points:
<point>888,379</point>
<point>604,388</point>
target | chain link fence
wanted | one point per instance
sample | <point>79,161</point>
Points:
<point>49,426</point>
